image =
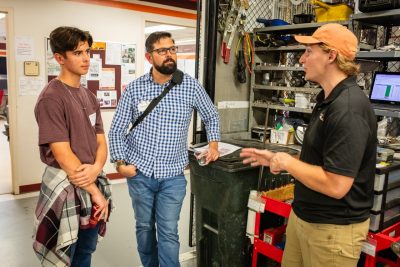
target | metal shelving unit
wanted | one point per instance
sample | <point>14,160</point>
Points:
<point>285,88</point>
<point>279,68</point>
<point>282,62</point>
<point>379,55</point>
<point>382,18</point>
<point>296,28</point>
<point>281,107</point>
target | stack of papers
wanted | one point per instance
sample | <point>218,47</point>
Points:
<point>223,148</point>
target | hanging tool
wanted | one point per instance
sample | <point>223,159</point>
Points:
<point>249,52</point>
<point>241,65</point>
<point>235,16</point>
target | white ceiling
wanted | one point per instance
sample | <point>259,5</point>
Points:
<point>183,35</point>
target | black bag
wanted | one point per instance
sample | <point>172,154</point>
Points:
<point>377,5</point>
<point>177,78</point>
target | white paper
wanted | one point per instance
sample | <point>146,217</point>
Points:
<point>107,99</point>
<point>24,48</point>
<point>128,73</point>
<point>113,54</point>
<point>107,81</point>
<point>30,85</point>
<point>94,73</point>
<point>223,148</point>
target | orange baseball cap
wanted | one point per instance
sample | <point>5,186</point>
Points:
<point>335,36</point>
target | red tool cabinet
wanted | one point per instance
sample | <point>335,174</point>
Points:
<point>280,208</point>
<point>383,239</point>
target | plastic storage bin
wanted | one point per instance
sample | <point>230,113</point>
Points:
<point>386,207</point>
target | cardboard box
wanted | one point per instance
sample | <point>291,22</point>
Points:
<point>274,236</point>
<point>282,137</point>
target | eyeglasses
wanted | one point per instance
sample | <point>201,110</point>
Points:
<point>163,51</point>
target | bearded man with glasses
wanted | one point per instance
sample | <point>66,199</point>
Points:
<point>154,154</point>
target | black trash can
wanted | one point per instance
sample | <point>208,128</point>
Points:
<point>221,190</point>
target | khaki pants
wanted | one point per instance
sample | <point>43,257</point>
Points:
<point>323,245</point>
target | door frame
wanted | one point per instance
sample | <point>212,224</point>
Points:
<point>12,92</point>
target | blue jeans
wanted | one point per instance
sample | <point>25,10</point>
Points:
<point>157,202</point>
<point>81,251</point>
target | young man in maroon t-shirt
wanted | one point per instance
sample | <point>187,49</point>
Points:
<point>71,141</point>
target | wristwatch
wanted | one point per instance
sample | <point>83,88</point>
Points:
<point>118,163</point>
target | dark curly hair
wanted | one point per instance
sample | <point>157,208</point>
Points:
<point>65,39</point>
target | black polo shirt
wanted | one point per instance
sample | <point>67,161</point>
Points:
<point>341,138</point>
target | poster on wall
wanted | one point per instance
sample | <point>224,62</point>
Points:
<point>128,54</point>
<point>107,99</point>
<point>128,67</point>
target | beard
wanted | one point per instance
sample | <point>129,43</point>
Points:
<point>165,68</point>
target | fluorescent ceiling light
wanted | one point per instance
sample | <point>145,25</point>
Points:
<point>162,27</point>
<point>185,41</point>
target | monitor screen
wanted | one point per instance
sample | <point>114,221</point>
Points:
<point>385,87</point>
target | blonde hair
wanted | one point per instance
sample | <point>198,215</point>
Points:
<point>349,67</point>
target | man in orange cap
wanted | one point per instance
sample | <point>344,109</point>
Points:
<point>335,172</point>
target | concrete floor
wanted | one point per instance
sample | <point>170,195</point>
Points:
<point>117,249</point>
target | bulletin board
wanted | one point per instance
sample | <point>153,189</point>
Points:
<point>112,68</point>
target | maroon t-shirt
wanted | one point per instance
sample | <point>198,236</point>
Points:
<point>68,114</point>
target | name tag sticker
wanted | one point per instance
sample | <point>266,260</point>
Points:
<point>143,105</point>
<point>92,118</point>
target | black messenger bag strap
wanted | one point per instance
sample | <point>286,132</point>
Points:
<point>177,78</point>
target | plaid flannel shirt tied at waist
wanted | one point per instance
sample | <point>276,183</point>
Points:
<point>61,210</point>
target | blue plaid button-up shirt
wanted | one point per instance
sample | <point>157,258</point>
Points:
<point>158,145</point>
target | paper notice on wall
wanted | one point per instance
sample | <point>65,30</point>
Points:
<point>113,53</point>
<point>24,48</point>
<point>94,73</point>
<point>107,81</point>
<point>30,85</point>
<point>128,73</point>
